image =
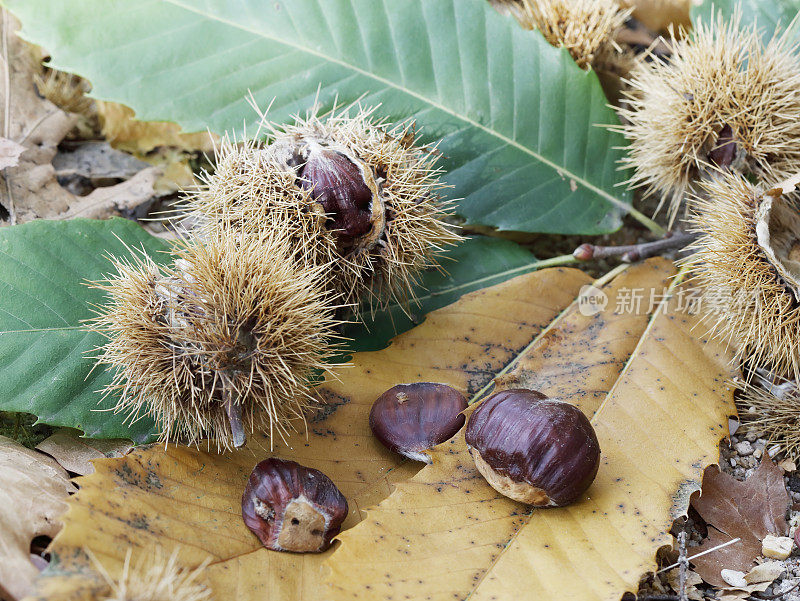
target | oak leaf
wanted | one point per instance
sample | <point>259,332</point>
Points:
<point>747,510</point>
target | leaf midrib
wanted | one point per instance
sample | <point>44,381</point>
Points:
<point>661,308</point>
<point>642,339</point>
<point>492,132</point>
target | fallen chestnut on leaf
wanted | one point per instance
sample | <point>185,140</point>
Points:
<point>540,451</point>
<point>411,418</point>
<point>292,508</point>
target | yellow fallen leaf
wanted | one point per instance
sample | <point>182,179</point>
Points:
<point>33,495</point>
<point>124,131</point>
<point>657,395</point>
<point>191,499</point>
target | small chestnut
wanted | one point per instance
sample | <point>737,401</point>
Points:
<point>292,508</point>
<point>411,418</point>
<point>533,449</point>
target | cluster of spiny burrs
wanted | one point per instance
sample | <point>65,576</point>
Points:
<point>231,337</point>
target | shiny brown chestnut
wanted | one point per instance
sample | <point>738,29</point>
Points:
<point>411,418</point>
<point>339,186</point>
<point>290,507</point>
<point>533,449</point>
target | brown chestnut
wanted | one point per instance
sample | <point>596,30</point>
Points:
<point>292,508</point>
<point>411,418</point>
<point>540,451</point>
<point>338,185</point>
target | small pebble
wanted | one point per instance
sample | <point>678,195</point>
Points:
<point>776,547</point>
<point>734,578</point>
<point>744,448</point>
<point>757,453</point>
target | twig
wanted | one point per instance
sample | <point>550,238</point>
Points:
<point>634,252</point>
<point>706,552</point>
<point>683,565</point>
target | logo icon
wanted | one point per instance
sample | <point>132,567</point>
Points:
<point>591,300</point>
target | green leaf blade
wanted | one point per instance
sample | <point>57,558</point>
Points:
<point>769,15</point>
<point>46,348</point>
<point>519,122</point>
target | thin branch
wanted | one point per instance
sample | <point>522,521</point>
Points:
<point>635,252</point>
<point>683,564</point>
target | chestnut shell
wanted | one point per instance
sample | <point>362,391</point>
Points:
<point>545,451</point>
<point>411,418</point>
<point>290,507</point>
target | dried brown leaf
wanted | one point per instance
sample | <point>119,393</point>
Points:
<point>75,453</point>
<point>30,189</point>
<point>747,510</point>
<point>111,200</point>
<point>96,160</point>
<point>33,495</point>
<point>124,131</point>
<point>9,153</point>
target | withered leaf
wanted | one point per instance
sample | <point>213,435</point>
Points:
<point>75,453</point>
<point>9,153</point>
<point>33,495</point>
<point>31,189</point>
<point>747,510</point>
